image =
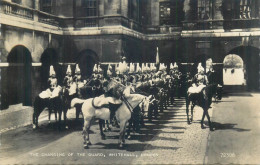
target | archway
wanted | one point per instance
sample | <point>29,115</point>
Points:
<point>19,76</point>
<point>86,60</point>
<point>250,56</point>
<point>233,70</point>
<point>48,58</point>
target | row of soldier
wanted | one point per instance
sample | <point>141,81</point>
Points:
<point>144,80</point>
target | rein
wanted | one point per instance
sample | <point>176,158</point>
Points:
<point>129,106</point>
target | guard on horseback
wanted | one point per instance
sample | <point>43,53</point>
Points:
<point>69,85</point>
<point>200,81</point>
<point>54,88</point>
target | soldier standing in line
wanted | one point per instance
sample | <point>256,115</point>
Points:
<point>54,91</point>
<point>69,84</point>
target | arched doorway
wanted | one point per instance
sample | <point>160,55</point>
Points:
<point>19,76</point>
<point>86,60</point>
<point>233,70</point>
<point>250,57</point>
<point>48,58</point>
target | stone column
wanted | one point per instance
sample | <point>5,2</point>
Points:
<point>37,8</point>
<point>186,9</point>
<point>124,7</point>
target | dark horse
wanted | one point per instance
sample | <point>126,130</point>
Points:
<point>202,99</point>
<point>53,104</point>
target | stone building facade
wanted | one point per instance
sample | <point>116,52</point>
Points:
<point>38,33</point>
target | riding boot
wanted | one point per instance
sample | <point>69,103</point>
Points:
<point>202,125</point>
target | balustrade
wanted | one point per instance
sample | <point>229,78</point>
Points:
<point>17,10</point>
<point>10,8</point>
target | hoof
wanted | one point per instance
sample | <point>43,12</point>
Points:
<point>49,121</point>
<point>103,137</point>
<point>121,146</point>
<point>34,126</point>
<point>211,129</point>
<point>85,146</point>
<point>188,122</point>
<point>89,143</point>
<point>67,127</point>
<point>202,127</point>
<point>128,137</point>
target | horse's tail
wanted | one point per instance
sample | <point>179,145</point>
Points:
<point>76,101</point>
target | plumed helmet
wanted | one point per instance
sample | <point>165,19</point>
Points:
<point>132,68</point>
<point>171,66</point>
<point>100,70</point>
<point>95,69</point>
<point>77,70</point>
<point>109,70</point>
<point>52,73</point>
<point>68,70</point>
<point>175,66</point>
<point>200,68</point>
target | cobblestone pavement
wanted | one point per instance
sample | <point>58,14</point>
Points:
<point>178,142</point>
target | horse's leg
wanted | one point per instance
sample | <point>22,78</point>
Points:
<point>208,117</point>
<point>35,120</point>
<point>130,125</point>
<point>155,109</point>
<point>101,122</point>
<point>85,132</point>
<point>65,110</point>
<point>192,107</point>
<point>49,115</point>
<point>187,109</point>
<point>202,120</point>
<point>121,140</point>
<point>107,125</point>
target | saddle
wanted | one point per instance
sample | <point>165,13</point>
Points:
<point>197,94</point>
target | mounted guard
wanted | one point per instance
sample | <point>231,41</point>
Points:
<point>200,81</point>
<point>54,89</point>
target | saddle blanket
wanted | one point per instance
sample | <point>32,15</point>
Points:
<point>73,89</point>
<point>196,89</point>
<point>101,101</point>
<point>50,94</point>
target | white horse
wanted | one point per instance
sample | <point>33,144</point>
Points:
<point>93,108</point>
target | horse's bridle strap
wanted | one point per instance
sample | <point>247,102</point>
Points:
<point>96,107</point>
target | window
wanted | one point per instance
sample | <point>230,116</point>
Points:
<point>165,13</point>
<point>204,8</point>
<point>90,7</point>
<point>134,9</point>
<point>245,9</point>
<point>241,9</point>
<point>171,12</point>
<point>46,6</point>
